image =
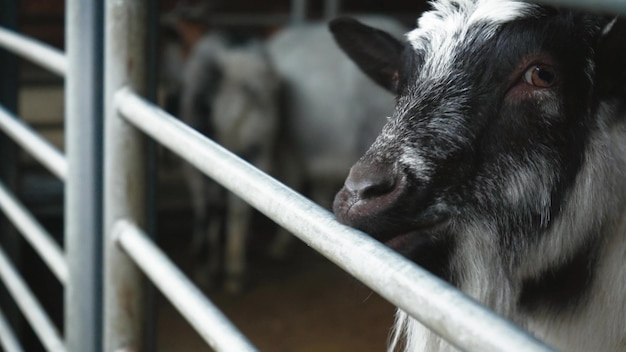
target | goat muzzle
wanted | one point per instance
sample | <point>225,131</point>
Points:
<point>370,191</point>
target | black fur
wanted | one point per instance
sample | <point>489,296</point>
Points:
<point>560,288</point>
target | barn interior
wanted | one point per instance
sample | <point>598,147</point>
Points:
<point>301,302</point>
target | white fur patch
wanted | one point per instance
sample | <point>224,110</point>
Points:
<point>445,27</point>
<point>418,165</point>
<point>539,178</point>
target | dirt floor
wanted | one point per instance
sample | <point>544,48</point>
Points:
<point>303,303</point>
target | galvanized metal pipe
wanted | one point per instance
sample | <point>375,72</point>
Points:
<point>203,316</point>
<point>40,53</point>
<point>83,187</point>
<point>28,304</point>
<point>8,340</point>
<point>34,233</point>
<point>124,170</point>
<point>439,306</point>
<point>42,150</point>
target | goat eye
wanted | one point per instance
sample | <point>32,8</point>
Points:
<point>541,76</point>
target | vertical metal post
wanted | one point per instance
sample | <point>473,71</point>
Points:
<point>83,188</point>
<point>331,9</point>
<point>9,75</point>
<point>124,166</point>
<point>298,11</point>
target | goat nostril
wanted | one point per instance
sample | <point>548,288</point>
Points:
<point>377,189</point>
<point>367,182</point>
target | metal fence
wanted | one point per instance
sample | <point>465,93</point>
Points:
<point>104,311</point>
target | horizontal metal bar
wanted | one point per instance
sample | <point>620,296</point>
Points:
<point>40,53</point>
<point>439,306</point>
<point>34,233</point>
<point>42,150</point>
<point>615,6</point>
<point>208,321</point>
<point>8,340</point>
<point>28,304</point>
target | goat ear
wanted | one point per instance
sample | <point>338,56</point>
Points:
<point>376,52</point>
<point>611,57</point>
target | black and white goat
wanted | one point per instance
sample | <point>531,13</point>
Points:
<point>503,167</point>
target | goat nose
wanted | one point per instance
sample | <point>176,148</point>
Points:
<point>368,181</point>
